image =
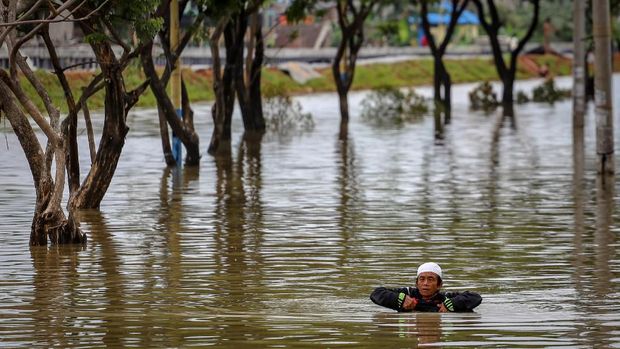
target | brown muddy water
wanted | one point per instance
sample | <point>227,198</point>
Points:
<point>281,245</point>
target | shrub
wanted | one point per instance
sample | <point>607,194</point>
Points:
<point>522,97</point>
<point>284,117</point>
<point>483,98</point>
<point>389,106</point>
<point>548,92</point>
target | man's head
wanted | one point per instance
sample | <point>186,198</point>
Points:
<point>429,280</point>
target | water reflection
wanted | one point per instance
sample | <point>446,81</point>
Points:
<point>603,237</point>
<point>56,287</point>
<point>419,329</point>
<point>579,198</point>
<point>238,223</point>
<point>439,124</point>
<point>113,283</point>
<point>350,206</point>
<point>604,255</point>
<point>279,244</point>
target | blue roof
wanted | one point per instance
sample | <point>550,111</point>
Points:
<point>434,18</point>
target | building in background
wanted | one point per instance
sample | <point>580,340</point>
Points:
<point>313,32</point>
<point>466,30</point>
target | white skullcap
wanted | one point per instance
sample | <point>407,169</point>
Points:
<point>430,266</point>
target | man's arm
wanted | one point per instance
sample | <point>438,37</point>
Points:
<point>462,301</point>
<point>393,298</point>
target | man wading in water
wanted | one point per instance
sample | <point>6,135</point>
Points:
<point>426,296</point>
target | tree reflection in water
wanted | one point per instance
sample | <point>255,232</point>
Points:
<point>239,232</point>
<point>350,207</point>
<point>55,286</point>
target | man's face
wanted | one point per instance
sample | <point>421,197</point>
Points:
<point>428,284</point>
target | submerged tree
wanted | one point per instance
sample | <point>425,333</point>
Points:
<point>240,77</point>
<point>221,111</point>
<point>492,26</point>
<point>351,18</point>
<point>247,22</point>
<point>183,128</point>
<point>351,22</point>
<point>95,20</point>
<point>441,76</point>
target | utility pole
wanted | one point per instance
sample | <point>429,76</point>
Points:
<point>603,96</point>
<point>579,88</point>
<point>175,79</point>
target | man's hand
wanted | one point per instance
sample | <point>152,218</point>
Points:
<point>446,306</point>
<point>410,303</point>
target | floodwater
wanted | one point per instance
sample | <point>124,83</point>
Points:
<point>281,245</point>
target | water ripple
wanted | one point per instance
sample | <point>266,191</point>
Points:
<point>282,246</point>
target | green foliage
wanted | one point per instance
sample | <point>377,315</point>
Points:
<point>390,32</point>
<point>483,97</point>
<point>147,28</point>
<point>522,97</point>
<point>515,17</point>
<point>615,30</point>
<point>389,106</point>
<point>285,118</point>
<point>299,9</point>
<point>548,92</point>
<point>388,28</point>
<point>560,12</point>
<point>95,38</point>
<point>135,16</point>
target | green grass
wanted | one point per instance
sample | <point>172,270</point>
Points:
<point>274,82</point>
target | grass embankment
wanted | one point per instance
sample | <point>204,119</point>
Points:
<point>371,76</point>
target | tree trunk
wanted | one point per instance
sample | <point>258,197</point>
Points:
<point>98,179</point>
<point>441,77</point>
<point>234,40</point>
<point>344,115</point>
<point>256,98</point>
<point>56,227</point>
<point>505,73</point>
<point>193,150</point>
<point>224,89</point>
<point>439,129</point>
<point>346,54</point>
<point>248,87</point>
<point>69,125</point>
<point>601,30</point>
<point>49,219</point>
<point>447,105</point>
<point>579,87</point>
<point>165,138</point>
<point>183,129</point>
<point>115,129</point>
<point>217,110</point>
<point>340,79</point>
<point>233,47</point>
<point>443,99</point>
<point>507,93</point>
<point>437,80</point>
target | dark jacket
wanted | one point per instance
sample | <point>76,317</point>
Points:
<point>393,298</point>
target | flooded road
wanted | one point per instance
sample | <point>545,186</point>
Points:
<point>281,244</point>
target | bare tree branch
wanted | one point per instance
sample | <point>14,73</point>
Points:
<point>117,38</point>
<point>30,108</point>
<point>53,19</point>
<point>89,131</point>
<point>34,31</point>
